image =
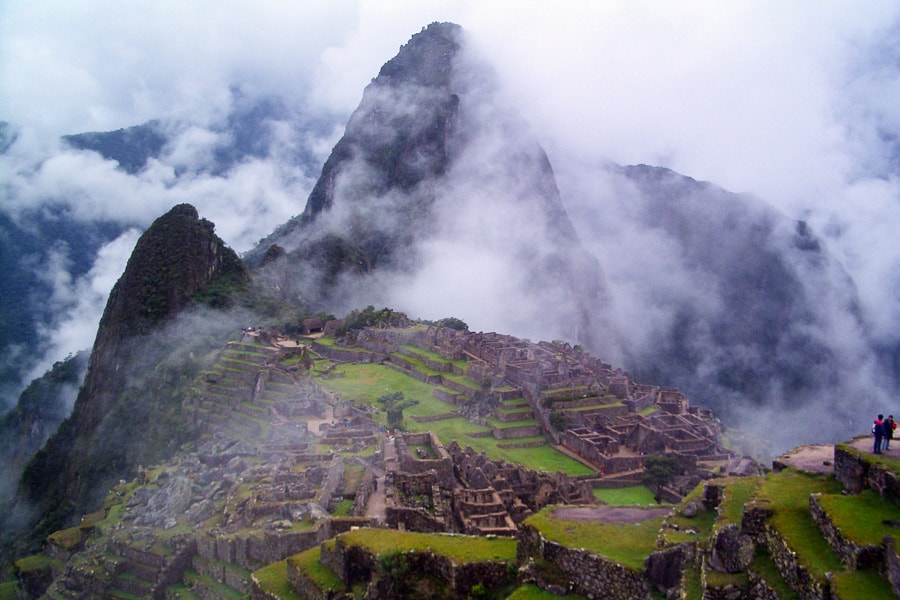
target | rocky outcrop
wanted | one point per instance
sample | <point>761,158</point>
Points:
<point>858,470</point>
<point>731,550</point>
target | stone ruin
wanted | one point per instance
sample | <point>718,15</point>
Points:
<point>599,413</point>
<point>450,489</point>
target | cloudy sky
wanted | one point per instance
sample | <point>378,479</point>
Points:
<point>793,102</point>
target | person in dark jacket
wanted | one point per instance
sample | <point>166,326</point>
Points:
<point>889,426</point>
<point>878,430</point>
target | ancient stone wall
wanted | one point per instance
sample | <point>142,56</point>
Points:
<point>793,573</point>
<point>414,519</point>
<point>665,568</point>
<point>892,564</point>
<point>591,576</point>
<point>354,564</point>
<point>851,554</point>
<point>508,433</point>
<point>856,471</point>
<point>346,355</point>
<point>449,397</point>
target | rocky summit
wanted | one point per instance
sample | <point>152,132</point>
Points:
<point>113,428</point>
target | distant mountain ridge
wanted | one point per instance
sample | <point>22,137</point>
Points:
<point>769,297</point>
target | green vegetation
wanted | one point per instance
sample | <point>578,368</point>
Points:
<point>309,563</point>
<point>453,323</point>
<point>343,508</point>
<point>394,405</point>
<point>658,472</point>
<point>637,495</point>
<point>9,590</point>
<point>458,548</point>
<point>863,585</point>
<point>368,317</point>
<point>678,528</point>
<point>738,491</point>
<point>787,495</point>
<point>860,518</point>
<point>765,568</point>
<point>530,591</point>
<point>365,383</point>
<point>626,543</point>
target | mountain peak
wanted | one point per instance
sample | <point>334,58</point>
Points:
<point>426,59</point>
<point>178,256</point>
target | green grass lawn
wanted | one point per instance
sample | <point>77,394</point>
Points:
<point>625,543</point>
<point>860,517</point>
<point>861,585</point>
<point>460,549</point>
<point>530,591</point>
<point>738,491</point>
<point>637,495</point>
<point>787,494</point>
<point>365,383</point>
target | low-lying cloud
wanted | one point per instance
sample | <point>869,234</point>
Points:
<point>790,103</point>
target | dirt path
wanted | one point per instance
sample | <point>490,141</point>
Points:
<point>866,443</point>
<point>813,458</point>
<point>609,514</point>
<point>375,507</point>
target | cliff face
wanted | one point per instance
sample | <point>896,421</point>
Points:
<point>112,429</point>
<point>42,406</point>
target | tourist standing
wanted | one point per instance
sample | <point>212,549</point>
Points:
<point>878,430</point>
<point>889,426</point>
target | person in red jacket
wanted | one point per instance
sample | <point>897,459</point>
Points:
<point>878,430</point>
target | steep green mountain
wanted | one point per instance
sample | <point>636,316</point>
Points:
<point>126,413</point>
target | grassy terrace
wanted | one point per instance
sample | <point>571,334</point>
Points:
<point>860,517</point>
<point>308,562</point>
<point>460,549</point>
<point>764,566</point>
<point>626,543</point>
<point>862,585</point>
<point>273,579</point>
<point>365,383</point>
<point>738,491</point>
<point>701,523</point>
<point>787,494</point>
<point>461,363</point>
<point>637,495</point>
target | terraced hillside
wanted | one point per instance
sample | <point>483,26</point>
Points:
<point>284,498</point>
<point>786,535</point>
